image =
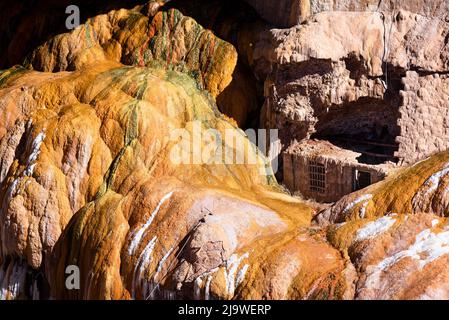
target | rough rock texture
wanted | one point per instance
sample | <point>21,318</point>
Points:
<point>419,188</point>
<point>395,233</point>
<point>317,68</point>
<point>288,13</point>
<point>397,256</point>
<point>95,181</point>
<point>237,23</point>
<point>423,119</point>
<point>283,13</point>
<point>93,171</point>
<point>165,38</point>
<point>311,77</point>
<point>27,24</point>
<point>358,75</point>
<point>88,179</point>
<point>436,8</point>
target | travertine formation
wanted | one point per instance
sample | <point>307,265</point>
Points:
<point>111,158</point>
<point>396,234</point>
<point>417,189</point>
<point>97,168</point>
<point>166,39</point>
<point>90,178</point>
<point>397,256</point>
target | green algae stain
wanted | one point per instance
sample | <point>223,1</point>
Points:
<point>9,74</point>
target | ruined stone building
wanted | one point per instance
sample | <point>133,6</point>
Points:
<point>353,107</point>
<point>89,143</point>
<point>360,144</point>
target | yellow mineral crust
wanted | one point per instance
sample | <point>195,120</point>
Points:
<point>165,39</point>
<point>88,179</point>
<point>422,187</point>
<point>396,234</point>
<point>115,158</point>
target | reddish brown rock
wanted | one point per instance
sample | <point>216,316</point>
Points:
<point>90,170</point>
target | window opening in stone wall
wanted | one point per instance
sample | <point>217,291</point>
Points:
<point>317,177</point>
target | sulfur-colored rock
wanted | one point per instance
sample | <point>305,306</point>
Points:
<point>168,39</point>
<point>114,156</point>
<point>417,189</point>
<point>97,188</point>
<point>395,233</point>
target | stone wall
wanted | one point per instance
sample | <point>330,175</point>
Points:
<point>424,117</point>
<point>339,176</point>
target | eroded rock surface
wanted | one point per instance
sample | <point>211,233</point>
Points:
<point>92,173</point>
<point>319,72</point>
<point>287,13</point>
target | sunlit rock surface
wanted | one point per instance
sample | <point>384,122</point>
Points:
<point>395,233</point>
<point>421,188</point>
<point>92,171</point>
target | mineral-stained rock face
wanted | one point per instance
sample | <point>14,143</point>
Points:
<point>95,184</point>
<point>167,39</point>
<point>397,256</point>
<point>420,188</point>
<point>114,157</point>
<point>89,179</point>
<point>395,233</point>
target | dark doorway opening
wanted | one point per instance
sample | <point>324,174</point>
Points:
<point>362,179</point>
